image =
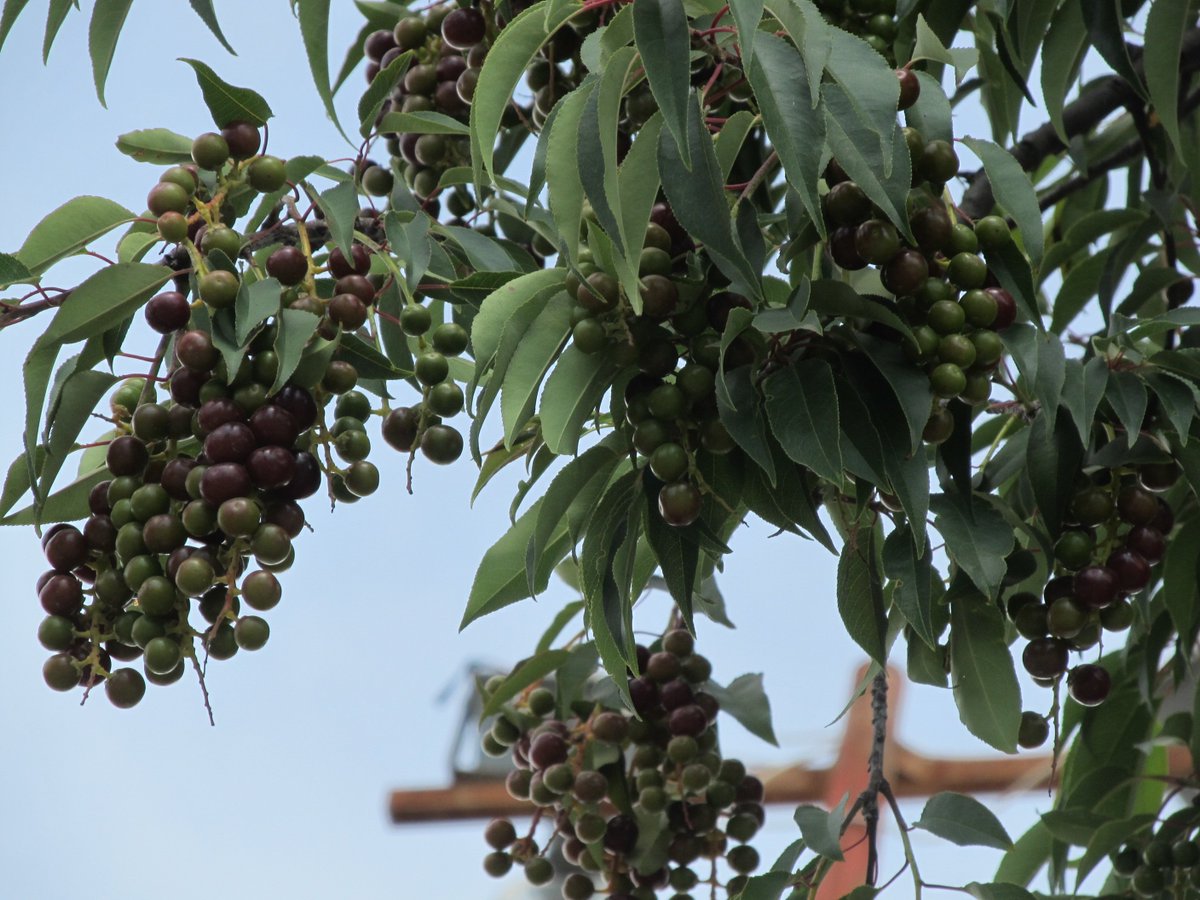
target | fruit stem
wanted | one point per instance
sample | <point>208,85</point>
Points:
<point>758,177</point>
<point>305,245</point>
<point>902,826</point>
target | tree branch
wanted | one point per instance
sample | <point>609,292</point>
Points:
<point>1095,103</point>
<point>1116,160</point>
<point>875,778</point>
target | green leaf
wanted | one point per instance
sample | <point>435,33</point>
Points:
<point>109,295</point>
<point>1127,395</point>
<point>500,579</point>
<point>8,16</point>
<point>1062,52</point>
<point>1179,579</point>
<point>573,390</point>
<point>410,246</point>
<point>660,30</point>
<point>69,229</point>
<point>608,606</point>
<point>1040,358</point>
<point>931,114</point>
<point>964,821</point>
<point>530,672</point>
<point>637,187</point>
<point>1179,399</point>
<point>564,184</point>
<point>796,129</point>
<point>732,138</point>
<point>836,298</point>
<point>1013,191</point>
<point>373,98</point>
<point>1052,459</point>
<point>597,152</point>
<point>1079,286</point>
<point>160,146</point>
<point>928,46</point>
<point>868,91</point>
<point>535,354</point>
<point>498,307</point>
<point>1165,28</point>
<point>697,198</point>
<point>256,303</point>
<point>54,19</point>
<point>232,352</point>
<point>821,830</point>
<point>475,288</point>
<point>561,619</point>
<point>1083,389</point>
<point>78,398</point>
<point>295,328</point>
<point>208,15</point>
<point>424,122</point>
<point>860,595</point>
<point>998,890</point>
<point>13,271</point>
<point>911,575</point>
<point>1072,826</point>
<point>505,65</point>
<point>747,15</point>
<point>981,671</point>
<point>1108,838</point>
<point>742,415</point>
<point>677,553</point>
<point>108,18</point>
<point>747,702</point>
<point>886,180</point>
<point>909,385</point>
<point>582,477</point>
<point>314,30</point>
<point>66,505</point>
<point>1105,27</point>
<point>16,480</point>
<point>802,407</point>
<point>367,359</point>
<point>977,539</point>
<point>340,205</point>
<point>227,103</point>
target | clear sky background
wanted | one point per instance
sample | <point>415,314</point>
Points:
<point>287,795</point>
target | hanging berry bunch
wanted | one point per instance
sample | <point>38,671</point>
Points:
<point>639,801</point>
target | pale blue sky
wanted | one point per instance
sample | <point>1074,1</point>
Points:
<point>286,797</point>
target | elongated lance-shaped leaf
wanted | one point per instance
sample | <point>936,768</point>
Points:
<point>314,30</point>
<point>660,29</point>
<point>505,65</point>
<point>1014,191</point>
<point>54,19</point>
<point>797,131</point>
<point>1165,27</point>
<point>697,199</point>
<point>208,15</point>
<point>108,18</point>
<point>563,182</point>
<point>981,671</point>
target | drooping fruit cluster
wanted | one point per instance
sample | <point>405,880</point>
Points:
<point>670,406</point>
<point>638,802</point>
<point>943,288</point>
<point>1162,860</point>
<point>202,482</point>
<point>1116,532</point>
